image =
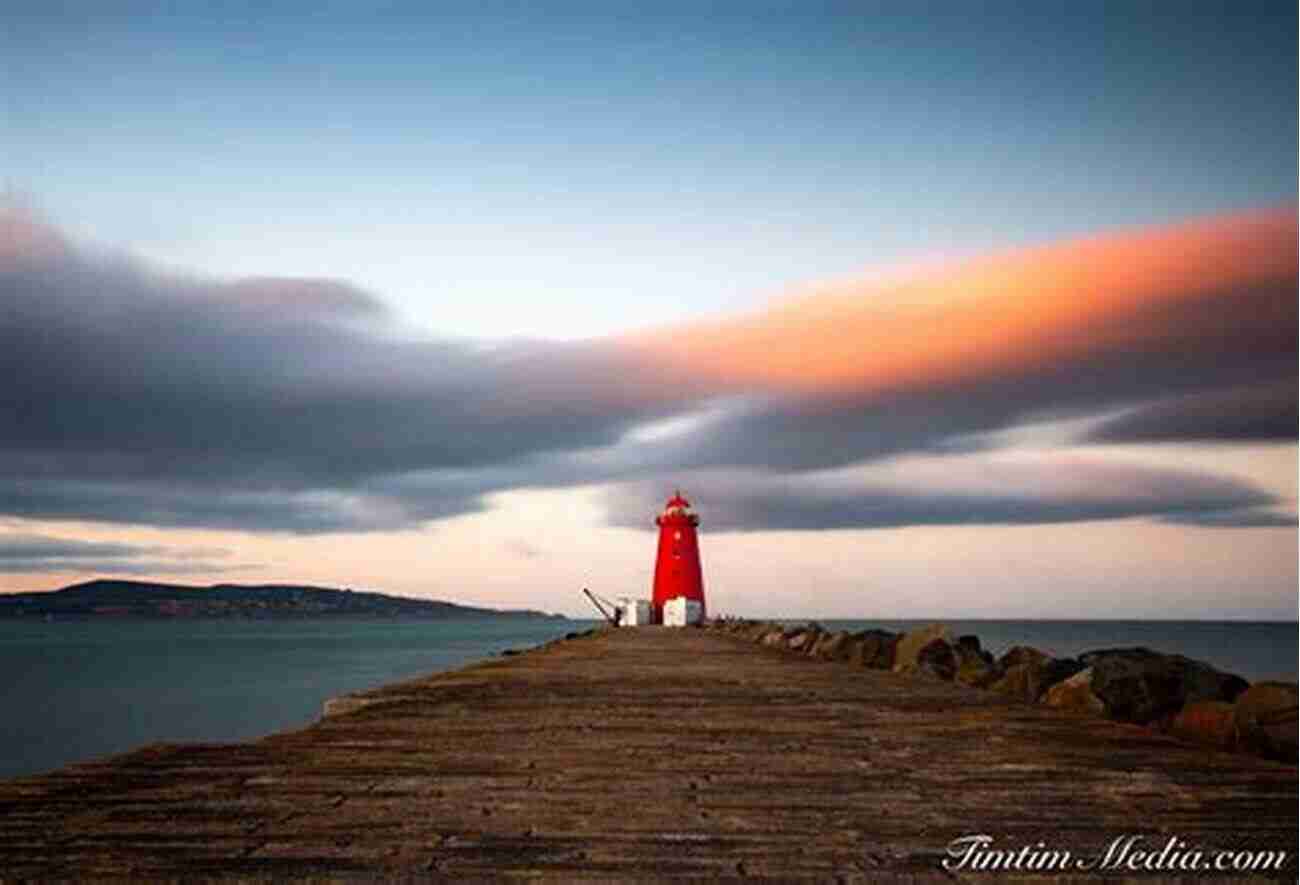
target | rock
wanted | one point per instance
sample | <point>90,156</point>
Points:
<point>976,673</point>
<point>1017,682</point>
<point>833,646</point>
<point>1206,722</point>
<point>1022,654</point>
<point>803,639</point>
<point>910,644</point>
<point>1264,717</point>
<point>968,647</point>
<point>874,649</point>
<point>1075,694</point>
<point>1028,673</point>
<point>975,667</point>
<point>1056,670</point>
<point>1144,686</point>
<point>938,660</point>
<point>774,638</point>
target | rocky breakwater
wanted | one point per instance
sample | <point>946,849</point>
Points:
<point>1188,699</point>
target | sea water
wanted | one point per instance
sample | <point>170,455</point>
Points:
<point>77,690</point>
<point>80,689</point>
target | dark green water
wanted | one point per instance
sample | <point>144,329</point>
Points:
<point>77,690</point>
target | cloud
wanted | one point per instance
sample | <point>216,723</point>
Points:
<point>999,489</point>
<point>1235,518</point>
<point>1079,327</point>
<point>115,567</point>
<point>269,404</point>
<point>27,546</point>
<point>1240,414</point>
<point>298,405</point>
<point>31,553</point>
<point>1201,300</point>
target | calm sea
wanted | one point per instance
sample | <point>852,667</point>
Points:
<point>78,690</point>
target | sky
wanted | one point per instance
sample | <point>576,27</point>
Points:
<point>932,310</point>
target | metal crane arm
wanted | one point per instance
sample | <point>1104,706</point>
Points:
<point>596,600</point>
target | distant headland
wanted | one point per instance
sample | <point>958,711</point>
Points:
<point>143,599</point>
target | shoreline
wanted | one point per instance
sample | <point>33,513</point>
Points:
<point>639,752</point>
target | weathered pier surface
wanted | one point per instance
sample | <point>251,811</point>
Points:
<point>643,753</point>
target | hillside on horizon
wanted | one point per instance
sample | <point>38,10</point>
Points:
<point>125,598</point>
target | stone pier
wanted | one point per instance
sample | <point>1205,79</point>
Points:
<point>645,752</point>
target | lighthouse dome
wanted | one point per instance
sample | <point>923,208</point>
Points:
<point>678,509</point>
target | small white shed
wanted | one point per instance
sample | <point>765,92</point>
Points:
<point>680,611</point>
<point>635,612</point>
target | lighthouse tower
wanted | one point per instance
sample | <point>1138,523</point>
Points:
<point>677,566</point>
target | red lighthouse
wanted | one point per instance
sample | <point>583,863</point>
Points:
<point>677,566</point>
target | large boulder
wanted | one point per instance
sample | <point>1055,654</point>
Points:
<point>833,646</point>
<point>1027,673</point>
<point>1206,722</point>
<point>910,644</point>
<point>810,647</point>
<point>970,645</point>
<point>974,665</point>
<point>1018,682</point>
<point>1265,720</point>
<point>1021,654</point>
<point>937,660</point>
<point>1056,670</point>
<point>874,649</point>
<point>802,638</point>
<point>1075,694</point>
<point>1144,686</point>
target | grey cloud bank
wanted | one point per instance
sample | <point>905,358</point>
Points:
<point>296,405</point>
<point>29,553</point>
<point>958,490</point>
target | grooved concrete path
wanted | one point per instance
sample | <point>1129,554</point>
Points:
<point>650,753</point>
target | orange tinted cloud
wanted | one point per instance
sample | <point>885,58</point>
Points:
<point>1224,282</point>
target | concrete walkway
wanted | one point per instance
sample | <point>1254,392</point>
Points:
<point>644,753</point>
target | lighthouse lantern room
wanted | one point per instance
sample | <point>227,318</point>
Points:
<point>678,575</point>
